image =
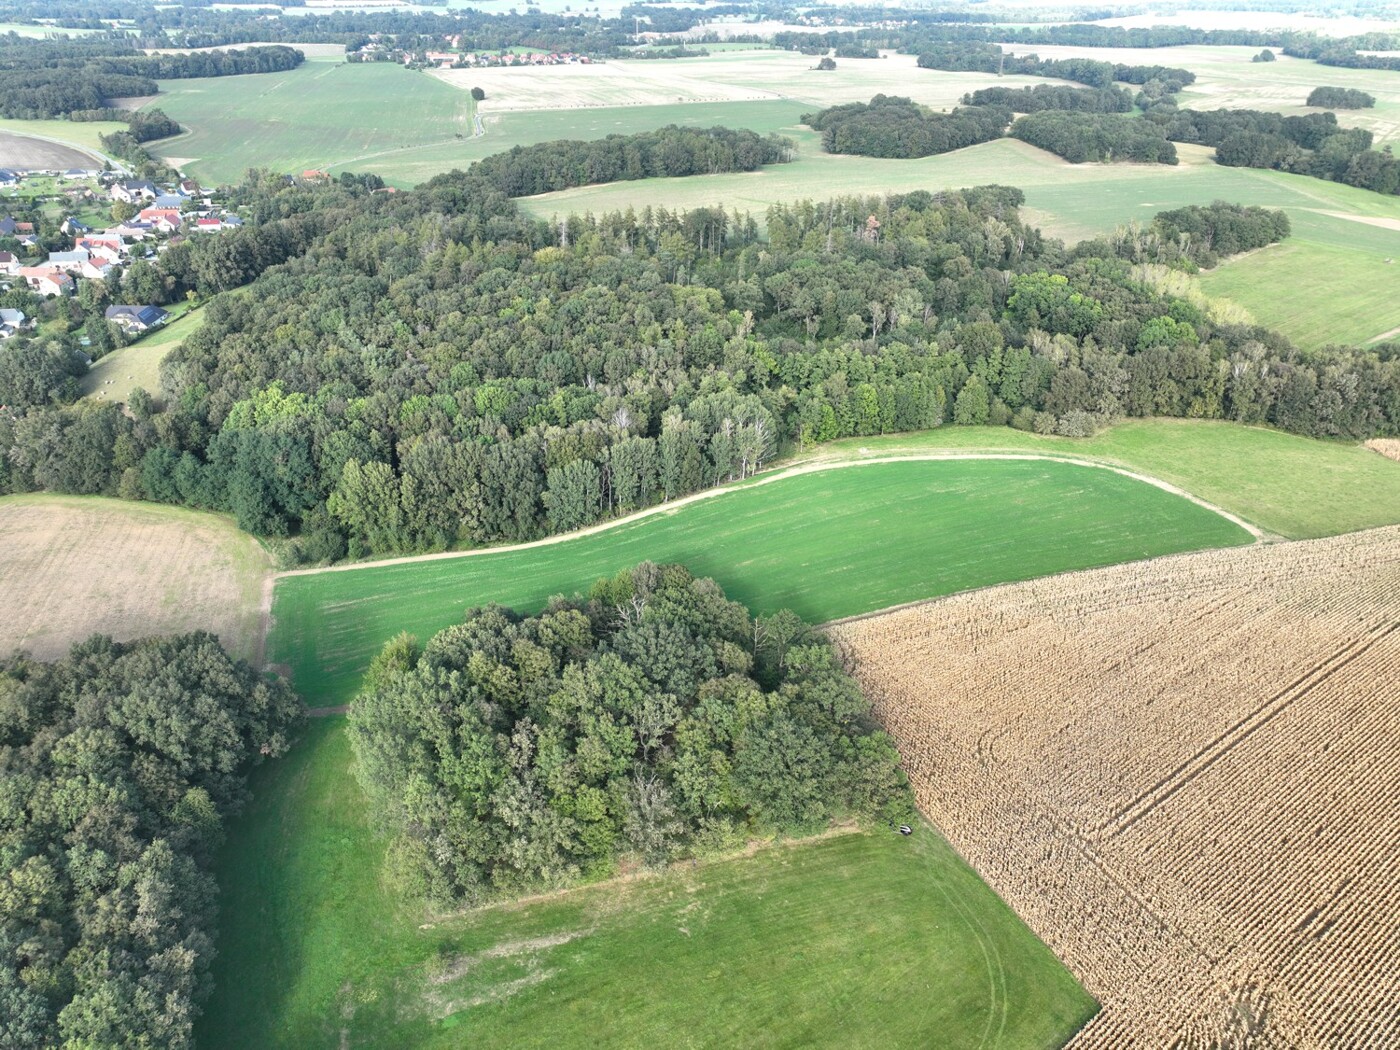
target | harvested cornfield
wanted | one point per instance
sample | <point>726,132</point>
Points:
<point>1184,775</point>
<point>1388,447</point>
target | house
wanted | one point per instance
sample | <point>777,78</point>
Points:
<point>163,220</point>
<point>131,230</point>
<point>8,178</point>
<point>96,269</point>
<point>9,263</point>
<point>169,200</point>
<point>208,225</point>
<point>47,281</point>
<point>136,319</point>
<point>71,262</point>
<point>11,227</point>
<point>314,175</point>
<point>74,228</point>
<point>106,249</point>
<point>190,188</point>
<point>12,322</point>
<point>133,190</point>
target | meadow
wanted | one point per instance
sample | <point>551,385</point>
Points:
<point>857,939</point>
<point>115,376</point>
<point>826,545</point>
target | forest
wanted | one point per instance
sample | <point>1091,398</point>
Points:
<point>43,79</point>
<point>989,58</point>
<point>670,151</point>
<point>1079,137</point>
<point>433,369</point>
<point>1053,96</point>
<point>656,720</point>
<point>893,126</point>
<point>118,768</point>
<point>1340,98</point>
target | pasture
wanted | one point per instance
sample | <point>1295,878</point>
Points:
<point>72,566</point>
<point>1198,819</point>
<point>115,376</point>
<point>825,544</point>
<point>853,939</point>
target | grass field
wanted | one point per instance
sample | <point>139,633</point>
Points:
<point>826,545</point>
<point>72,566</point>
<point>853,940</point>
<point>1291,486</point>
<point>114,377</point>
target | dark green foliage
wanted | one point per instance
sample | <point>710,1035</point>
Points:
<point>989,58</point>
<point>1265,56</point>
<point>654,721</point>
<point>147,124</point>
<point>1340,98</point>
<point>670,151</point>
<point>826,64</point>
<point>1080,137</point>
<point>1053,96</point>
<point>1220,230</point>
<point>117,768</point>
<point>891,126</point>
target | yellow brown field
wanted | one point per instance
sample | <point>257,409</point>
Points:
<point>74,566</point>
<point>1387,447</point>
<point>1183,774</point>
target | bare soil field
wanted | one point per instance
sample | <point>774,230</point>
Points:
<point>24,153</point>
<point>74,566</point>
<point>1183,774</point>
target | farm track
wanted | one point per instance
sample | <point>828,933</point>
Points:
<point>1184,775</point>
<point>784,474</point>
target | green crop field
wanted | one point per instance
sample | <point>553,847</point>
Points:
<point>85,135</point>
<point>115,376</point>
<point>1287,485</point>
<point>829,544</point>
<point>864,939</point>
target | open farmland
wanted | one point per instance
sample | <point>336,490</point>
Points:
<point>824,544</point>
<point>1198,819</point>
<point>20,152</point>
<point>73,566</point>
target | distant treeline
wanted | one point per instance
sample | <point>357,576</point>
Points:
<point>655,720</point>
<point>42,79</point>
<point>1340,98</point>
<point>892,126</point>
<point>670,151</point>
<point>1306,145</point>
<point>1080,137</point>
<point>1053,96</point>
<point>121,763</point>
<point>989,58</point>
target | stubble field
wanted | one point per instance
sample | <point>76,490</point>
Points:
<point>74,566</point>
<point>1184,775</point>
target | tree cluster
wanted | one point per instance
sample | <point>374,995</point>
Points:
<point>1340,98</point>
<point>1305,145</point>
<point>1053,96</point>
<point>655,720</point>
<point>1080,137</point>
<point>670,151</point>
<point>990,58</point>
<point>118,766</point>
<point>892,126</point>
<point>1211,233</point>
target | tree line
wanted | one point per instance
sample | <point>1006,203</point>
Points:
<point>43,79</point>
<point>656,720</point>
<point>1053,96</point>
<point>120,765</point>
<point>893,126</point>
<point>1079,137</point>
<point>670,151</point>
<point>990,58</point>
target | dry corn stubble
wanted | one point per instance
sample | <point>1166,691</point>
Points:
<point>1184,775</point>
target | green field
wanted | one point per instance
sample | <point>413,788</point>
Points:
<point>115,376</point>
<point>83,134</point>
<point>1287,485</point>
<point>856,940</point>
<point>829,544</point>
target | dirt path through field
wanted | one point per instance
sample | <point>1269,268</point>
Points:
<point>783,475</point>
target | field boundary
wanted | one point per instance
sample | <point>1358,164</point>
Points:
<point>782,475</point>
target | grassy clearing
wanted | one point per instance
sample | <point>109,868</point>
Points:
<point>1314,294</point>
<point>852,940</point>
<point>114,377</point>
<point>317,115</point>
<point>826,545</point>
<point>1288,485</point>
<point>72,566</point>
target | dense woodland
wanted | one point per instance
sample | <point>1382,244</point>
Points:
<point>118,767</point>
<point>1053,96</point>
<point>892,126</point>
<point>1080,137</point>
<point>989,58</point>
<point>56,78</point>
<point>1340,98</point>
<point>670,151</point>
<point>653,721</point>
<point>430,369</point>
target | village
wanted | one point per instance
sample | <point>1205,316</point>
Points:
<point>63,230</point>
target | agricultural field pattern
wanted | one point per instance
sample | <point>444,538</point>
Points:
<point>1181,774</point>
